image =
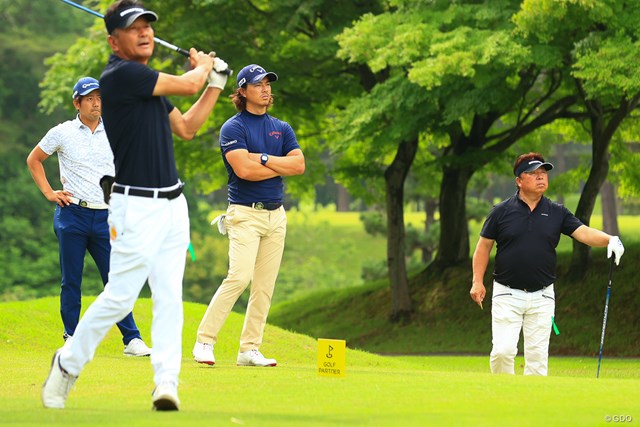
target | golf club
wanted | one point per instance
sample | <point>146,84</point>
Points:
<point>606,312</point>
<point>157,40</point>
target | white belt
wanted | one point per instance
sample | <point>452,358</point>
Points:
<point>89,205</point>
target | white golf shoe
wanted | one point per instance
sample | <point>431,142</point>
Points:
<point>254,358</point>
<point>137,348</point>
<point>57,385</point>
<point>203,353</point>
<point>165,397</point>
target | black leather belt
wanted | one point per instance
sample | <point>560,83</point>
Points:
<point>171,194</point>
<point>270,206</point>
<point>536,289</point>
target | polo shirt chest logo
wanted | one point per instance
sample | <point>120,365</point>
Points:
<point>275,134</point>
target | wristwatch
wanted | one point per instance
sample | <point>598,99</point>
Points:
<point>264,158</point>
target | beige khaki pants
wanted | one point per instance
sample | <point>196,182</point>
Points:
<point>256,244</point>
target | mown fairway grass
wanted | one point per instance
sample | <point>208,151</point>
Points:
<point>377,390</point>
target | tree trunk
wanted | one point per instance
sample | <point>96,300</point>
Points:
<point>609,209</point>
<point>586,204</point>
<point>601,134</point>
<point>343,199</point>
<point>454,235</point>
<point>395,177</point>
<point>430,207</point>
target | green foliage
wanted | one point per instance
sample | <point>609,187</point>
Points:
<point>609,70</point>
<point>28,247</point>
<point>30,30</point>
<point>601,37</point>
<point>625,170</point>
<point>60,78</point>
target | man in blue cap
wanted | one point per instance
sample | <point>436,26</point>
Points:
<point>257,150</point>
<point>527,229</point>
<point>80,218</point>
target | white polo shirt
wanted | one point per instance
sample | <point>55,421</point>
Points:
<point>84,157</point>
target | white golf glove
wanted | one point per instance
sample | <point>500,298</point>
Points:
<point>220,221</point>
<point>215,79</point>
<point>615,247</point>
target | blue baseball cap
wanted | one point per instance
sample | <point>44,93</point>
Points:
<point>84,86</point>
<point>254,74</point>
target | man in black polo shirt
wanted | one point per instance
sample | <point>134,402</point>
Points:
<point>527,229</point>
<point>148,215</point>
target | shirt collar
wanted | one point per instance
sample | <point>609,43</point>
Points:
<point>543,201</point>
<point>81,125</point>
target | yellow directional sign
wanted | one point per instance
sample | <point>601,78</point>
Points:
<point>332,356</point>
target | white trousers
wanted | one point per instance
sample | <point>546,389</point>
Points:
<point>513,310</point>
<point>150,238</point>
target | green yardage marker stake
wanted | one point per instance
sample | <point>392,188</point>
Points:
<point>193,253</point>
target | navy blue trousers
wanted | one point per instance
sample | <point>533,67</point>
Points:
<point>80,230</point>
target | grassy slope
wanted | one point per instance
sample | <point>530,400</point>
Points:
<point>447,321</point>
<point>377,391</point>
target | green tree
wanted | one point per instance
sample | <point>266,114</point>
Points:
<point>483,87</point>
<point>601,44</point>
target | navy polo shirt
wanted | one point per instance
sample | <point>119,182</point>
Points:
<point>137,125</point>
<point>527,240</point>
<point>256,134</point>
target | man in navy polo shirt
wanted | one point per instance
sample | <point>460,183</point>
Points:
<point>258,150</point>
<point>148,218</point>
<point>527,228</point>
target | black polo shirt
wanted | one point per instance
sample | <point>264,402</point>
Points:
<point>526,241</point>
<point>137,125</point>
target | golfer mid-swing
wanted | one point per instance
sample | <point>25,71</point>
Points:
<point>527,228</point>
<point>148,214</point>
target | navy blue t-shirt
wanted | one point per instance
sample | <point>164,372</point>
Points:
<point>527,240</point>
<point>137,125</point>
<point>256,134</point>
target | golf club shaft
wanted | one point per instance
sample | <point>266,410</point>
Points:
<point>606,313</point>
<point>157,40</point>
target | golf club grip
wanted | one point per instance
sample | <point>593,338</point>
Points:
<point>185,53</point>
<point>181,51</point>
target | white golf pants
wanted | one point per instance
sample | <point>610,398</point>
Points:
<point>513,310</point>
<point>150,238</point>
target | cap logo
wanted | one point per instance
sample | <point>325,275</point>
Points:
<point>242,82</point>
<point>86,85</point>
<point>260,69</point>
<point>128,11</point>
